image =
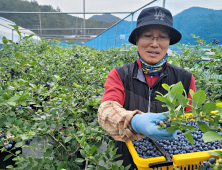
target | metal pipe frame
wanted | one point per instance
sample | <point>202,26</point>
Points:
<point>55,29</point>
<point>11,12</point>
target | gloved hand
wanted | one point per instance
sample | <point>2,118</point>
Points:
<point>146,124</point>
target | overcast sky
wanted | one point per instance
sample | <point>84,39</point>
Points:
<point>175,6</point>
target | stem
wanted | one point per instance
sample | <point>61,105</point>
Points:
<point>87,161</point>
<point>33,152</point>
<point>59,143</point>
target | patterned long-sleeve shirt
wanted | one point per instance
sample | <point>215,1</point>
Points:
<point>116,120</point>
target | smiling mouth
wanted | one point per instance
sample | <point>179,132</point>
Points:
<point>152,52</point>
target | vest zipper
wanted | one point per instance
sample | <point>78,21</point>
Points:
<point>150,91</point>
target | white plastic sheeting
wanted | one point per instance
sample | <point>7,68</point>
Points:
<point>7,31</point>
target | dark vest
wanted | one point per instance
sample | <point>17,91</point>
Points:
<point>138,95</point>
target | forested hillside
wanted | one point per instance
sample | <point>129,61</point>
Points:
<point>47,20</point>
<point>203,22</point>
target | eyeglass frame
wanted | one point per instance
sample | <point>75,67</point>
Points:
<point>157,38</point>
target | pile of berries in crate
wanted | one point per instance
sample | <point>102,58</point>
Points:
<point>180,145</point>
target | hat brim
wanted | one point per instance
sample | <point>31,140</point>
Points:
<point>175,35</point>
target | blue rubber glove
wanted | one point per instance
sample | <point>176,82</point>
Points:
<point>146,124</point>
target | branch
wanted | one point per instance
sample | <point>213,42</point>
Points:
<point>70,154</point>
<point>60,144</point>
<point>87,161</point>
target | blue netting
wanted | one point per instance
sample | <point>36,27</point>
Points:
<point>104,40</point>
<point>123,31</point>
<point>111,37</point>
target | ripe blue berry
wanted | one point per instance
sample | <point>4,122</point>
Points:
<point>206,164</point>
<point>212,160</point>
<point>157,122</point>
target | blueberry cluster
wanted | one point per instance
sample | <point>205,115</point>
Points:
<point>179,145</point>
<point>145,148</point>
<point>56,133</point>
<point>213,163</point>
<point>215,41</point>
<point>18,108</point>
<point>12,72</point>
<point>51,142</point>
<point>8,145</point>
<point>28,142</point>
<point>7,139</point>
<point>163,124</point>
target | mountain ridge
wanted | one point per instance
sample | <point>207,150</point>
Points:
<point>105,18</point>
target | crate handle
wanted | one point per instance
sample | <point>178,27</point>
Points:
<point>160,164</point>
<point>164,153</point>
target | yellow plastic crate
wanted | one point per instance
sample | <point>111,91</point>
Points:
<point>180,161</point>
<point>188,159</point>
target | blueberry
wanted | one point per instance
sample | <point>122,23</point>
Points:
<point>212,160</point>
<point>157,122</point>
<point>206,164</point>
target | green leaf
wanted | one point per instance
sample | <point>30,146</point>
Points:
<point>9,166</point>
<point>198,98</point>
<point>11,42</point>
<point>113,152</point>
<point>118,163</point>
<point>15,27</point>
<point>182,100</point>
<point>19,144</point>
<point>161,98</point>
<point>12,103</point>
<point>83,153</point>
<point>68,139</point>
<point>4,40</point>
<point>101,168</point>
<point>33,63</point>
<point>17,152</point>
<point>191,93</point>
<point>93,149</point>
<point>172,128</point>
<point>8,156</point>
<point>203,127</point>
<point>211,136</point>
<point>79,160</point>
<point>48,152</point>
<point>189,137</point>
<point>17,54</point>
<point>27,37</point>
<point>30,160</point>
<point>176,89</point>
<point>14,98</point>
<point>166,87</point>
<point>216,121</point>
<point>216,153</point>
<point>208,107</point>
<point>83,140</point>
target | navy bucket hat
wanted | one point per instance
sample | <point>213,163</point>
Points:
<point>155,16</point>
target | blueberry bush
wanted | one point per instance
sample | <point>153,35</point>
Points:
<point>49,96</point>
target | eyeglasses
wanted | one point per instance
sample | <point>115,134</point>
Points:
<point>160,38</point>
